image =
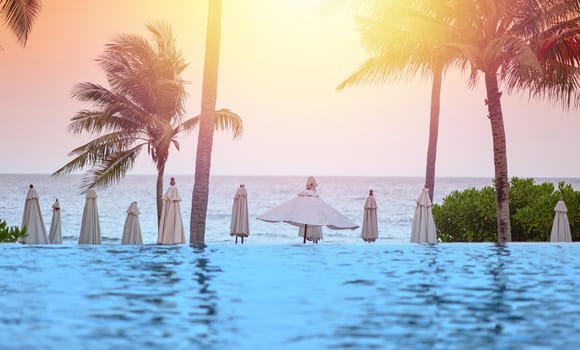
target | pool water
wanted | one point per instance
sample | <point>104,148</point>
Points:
<point>290,296</point>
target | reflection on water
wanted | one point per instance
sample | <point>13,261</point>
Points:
<point>446,296</point>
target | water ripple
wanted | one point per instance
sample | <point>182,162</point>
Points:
<point>448,296</point>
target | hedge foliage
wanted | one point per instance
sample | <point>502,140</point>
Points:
<point>10,234</point>
<point>470,215</point>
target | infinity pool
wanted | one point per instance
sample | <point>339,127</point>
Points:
<point>382,296</point>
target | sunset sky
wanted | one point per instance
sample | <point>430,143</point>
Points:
<point>280,63</point>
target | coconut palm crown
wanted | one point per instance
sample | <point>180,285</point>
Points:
<point>142,110</point>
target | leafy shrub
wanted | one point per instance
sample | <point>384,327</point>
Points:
<point>10,234</point>
<point>470,215</point>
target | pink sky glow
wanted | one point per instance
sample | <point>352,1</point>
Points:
<point>279,66</point>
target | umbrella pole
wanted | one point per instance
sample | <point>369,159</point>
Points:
<point>305,229</point>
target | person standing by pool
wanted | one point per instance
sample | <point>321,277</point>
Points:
<point>171,225</point>
<point>313,233</point>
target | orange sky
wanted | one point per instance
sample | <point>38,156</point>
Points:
<point>280,63</point>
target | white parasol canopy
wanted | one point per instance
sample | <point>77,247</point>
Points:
<point>308,209</point>
<point>370,225</point>
<point>55,233</point>
<point>561,225</point>
<point>90,226</point>
<point>171,224</point>
<point>132,228</point>
<point>423,230</point>
<point>32,220</point>
<point>239,226</point>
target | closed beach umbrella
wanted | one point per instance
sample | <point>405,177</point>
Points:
<point>240,227</point>
<point>32,220</point>
<point>55,234</point>
<point>561,225</point>
<point>171,224</point>
<point>370,225</point>
<point>90,226</point>
<point>423,230</point>
<point>132,228</point>
<point>307,209</point>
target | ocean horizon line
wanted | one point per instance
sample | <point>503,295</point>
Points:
<point>305,175</point>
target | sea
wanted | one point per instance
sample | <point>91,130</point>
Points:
<point>273,292</point>
<point>395,198</point>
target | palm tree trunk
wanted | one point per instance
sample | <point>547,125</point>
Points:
<point>433,131</point>
<point>199,198</point>
<point>160,173</point>
<point>499,158</point>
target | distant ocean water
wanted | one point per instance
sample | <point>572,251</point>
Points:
<point>395,198</point>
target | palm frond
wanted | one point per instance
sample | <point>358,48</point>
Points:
<point>20,15</point>
<point>103,146</point>
<point>394,34</point>
<point>108,100</point>
<point>510,49</point>
<point>98,150</point>
<point>188,125</point>
<point>376,71</point>
<point>225,120</point>
<point>165,41</point>
<point>111,171</point>
<point>106,120</point>
<point>90,92</point>
<point>471,53</point>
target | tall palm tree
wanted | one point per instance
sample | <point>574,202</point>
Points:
<point>200,195</point>
<point>500,39</point>
<point>394,35</point>
<point>19,16</point>
<point>143,109</point>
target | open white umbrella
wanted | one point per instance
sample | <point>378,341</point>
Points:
<point>423,230</point>
<point>171,224</point>
<point>55,234</point>
<point>561,225</point>
<point>90,226</point>
<point>132,228</point>
<point>370,225</point>
<point>239,226</point>
<point>307,209</point>
<point>32,220</point>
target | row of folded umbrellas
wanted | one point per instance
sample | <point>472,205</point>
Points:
<point>307,211</point>
<point>170,227</point>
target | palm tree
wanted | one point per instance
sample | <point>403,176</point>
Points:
<point>143,109</point>
<point>394,36</point>
<point>530,45</point>
<point>500,38</point>
<point>200,195</point>
<point>19,15</point>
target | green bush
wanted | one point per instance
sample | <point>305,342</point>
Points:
<point>10,234</point>
<point>470,215</point>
